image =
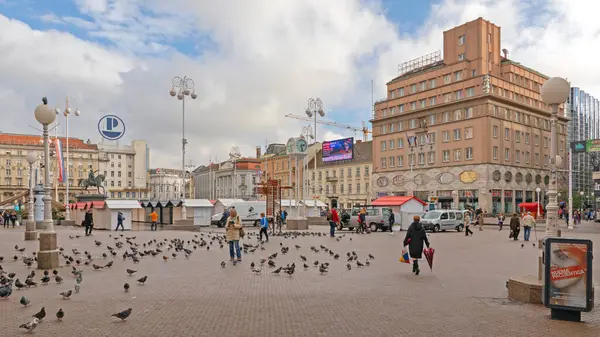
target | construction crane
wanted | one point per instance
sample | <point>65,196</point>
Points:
<point>365,131</point>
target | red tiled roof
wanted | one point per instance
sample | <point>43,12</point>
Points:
<point>34,140</point>
<point>395,200</point>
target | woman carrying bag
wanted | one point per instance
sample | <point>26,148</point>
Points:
<point>234,231</point>
<point>415,238</point>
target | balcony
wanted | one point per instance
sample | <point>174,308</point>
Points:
<point>331,179</point>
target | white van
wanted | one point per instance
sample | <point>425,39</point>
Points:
<point>442,220</point>
<point>249,211</point>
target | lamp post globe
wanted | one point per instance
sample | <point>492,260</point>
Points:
<point>538,190</point>
<point>44,114</point>
<point>31,158</point>
<point>555,91</point>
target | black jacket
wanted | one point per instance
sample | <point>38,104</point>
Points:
<point>89,219</point>
<point>416,234</point>
<point>392,219</point>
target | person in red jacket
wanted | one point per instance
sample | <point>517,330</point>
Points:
<point>334,219</point>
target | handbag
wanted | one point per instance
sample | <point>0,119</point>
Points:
<point>404,258</point>
<point>242,233</point>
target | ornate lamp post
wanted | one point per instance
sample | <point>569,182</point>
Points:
<point>48,253</point>
<point>554,92</point>
<point>315,107</point>
<point>181,88</point>
<point>30,233</point>
<point>66,113</point>
<point>537,191</point>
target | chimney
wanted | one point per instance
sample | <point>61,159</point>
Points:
<point>258,152</point>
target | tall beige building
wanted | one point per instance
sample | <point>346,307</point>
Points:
<point>468,128</point>
<point>126,169</point>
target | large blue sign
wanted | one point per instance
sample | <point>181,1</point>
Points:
<point>111,127</point>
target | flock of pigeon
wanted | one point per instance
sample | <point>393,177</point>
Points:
<point>167,249</point>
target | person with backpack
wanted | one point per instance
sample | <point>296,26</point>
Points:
<point>120,219</point>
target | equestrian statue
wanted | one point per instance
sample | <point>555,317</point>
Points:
<point>92,181</point>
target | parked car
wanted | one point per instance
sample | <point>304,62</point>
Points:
<point>217,220</point>
<point>376,218</point>
<point>443,220</point>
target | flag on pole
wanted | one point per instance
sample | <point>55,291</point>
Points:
<point>60,160</point>
<point>412,140</point>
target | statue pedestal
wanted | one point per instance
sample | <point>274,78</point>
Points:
<point>48,253</point>
<point>30,232</point>
<point>90,197</point>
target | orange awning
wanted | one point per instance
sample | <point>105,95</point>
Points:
<point>395,200</point>
<point>80,205</point>
<point>97,204</point>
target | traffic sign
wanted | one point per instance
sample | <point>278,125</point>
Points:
<point>111,127</point>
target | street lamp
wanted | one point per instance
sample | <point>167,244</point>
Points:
<point>234,155</point>
<point>581,194</point>
<point>185,87</point>
<point>538,190</point>
<point>315,107</point>
<point>30,233</point>
<point>48,253</point>
<point>554,92</point>
<point>68,111</point>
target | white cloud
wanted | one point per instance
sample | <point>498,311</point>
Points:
<point>271,57</point>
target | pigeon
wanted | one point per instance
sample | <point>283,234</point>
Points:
<point>277,271</point>
<point>223,264</point>
<point>108,265</point>
<point>41,314</point>
<point>368,263</point>
<point>45,279</point>
<point>46,272</point>
<point>30,283</point>
<point>522,245</point>
<point>55,272</point>
<point>123,314</point>
<point>30,326</point>
<point>5,291</point>
<point>290,271</point>
<point>322,269</point>
<point>66,294</point>
<point>77,287</point>
<point>305,266</point>
<point>165,258</point>
<point>131,271</point>
<point>359,264</point>
<point>79,279</point>
<point>252,265</point>
<point>60,314</point>
<point>18,284</point>
<point>349,266</point>
<point>58,279</point>
<point>256,270</point>
<point>97,267</point>
<point>24,301</point>
<point>371,257</point>
<point>126,287</point>
<point>143,280</point>
<point>336,256</point>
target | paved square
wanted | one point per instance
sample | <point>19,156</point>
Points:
<point>465,295</point>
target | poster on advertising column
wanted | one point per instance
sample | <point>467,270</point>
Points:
<point>597,188</point>
<point>568,274</point>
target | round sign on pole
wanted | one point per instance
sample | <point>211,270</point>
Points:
<point>111,127</point>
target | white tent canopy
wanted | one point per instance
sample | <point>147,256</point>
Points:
<point>311,203</point>
<point>122,204</point>
<point>197,203</point>
<point>289,203</point>
<point>229,202</point>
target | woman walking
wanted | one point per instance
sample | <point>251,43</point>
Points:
<point>234,226</point>
<point>468,220</point>
<point>515,227</point>
<point>500,221</point>
<point>415,237</point>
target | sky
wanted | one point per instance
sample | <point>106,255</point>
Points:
<point>252,62</point>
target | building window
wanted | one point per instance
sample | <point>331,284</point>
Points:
<point>413,123</point>
<point>432,83</point>
<point>392,161</point>
<point>342,188</point>
<point>423,85</point>
<point>400,143</point>
<point>391,144</point>
<point>431,138</point>
<point>456,133</point>
<point>400,92</point>
<point>470,92</point>
<point>526,157</point>
<point>366,171</point>
<point>112,174</point>
<point>506,154</point>
<point>383,162</point>
<point>448,98</point>
<point>446,156</point>
<point>506,134</point>
<point>357,188</point>
<point>526,138</point>
<point>461,40</point>
<point>517,136</point>
<point>401,108</point>
<point>495,153</point>
<point>457,115</point>
<point>517,156</point>
<point>421,158</point>
<point>458,75</point>
<point>358,171</point>
<point>446,116</point>
<point>469,112</point>
<point>445,136</point>
<point>383,148</point>
<point>495,110</point>
<point>432,100</point>
<point>461,56</point>
<point>473,72</point>
<point>537,140</point>
<point>537,159</point>
<point>458,94</point>
<point>411,159</point>
<point>495,131</point>
<point>119,174</point>
<point>422,103</point>
<point>545,141</point>
<point>413,105</point>
<point>431,157</point>
<point>391,127</point>
<point>517,117</point>
<point>469,153</point>
<point>469,132</point>
<point>432,120</point>
<point>413,88</point>
<point>457,153</point>
<point>400,161</point>
<point>447,78</point>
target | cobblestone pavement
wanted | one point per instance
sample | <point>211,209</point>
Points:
<point>465,295</point>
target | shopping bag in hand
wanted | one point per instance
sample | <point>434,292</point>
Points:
<point>404,258</point>
<point>429,256</point>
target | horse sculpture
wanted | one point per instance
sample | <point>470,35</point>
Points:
<point>92,181</point>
